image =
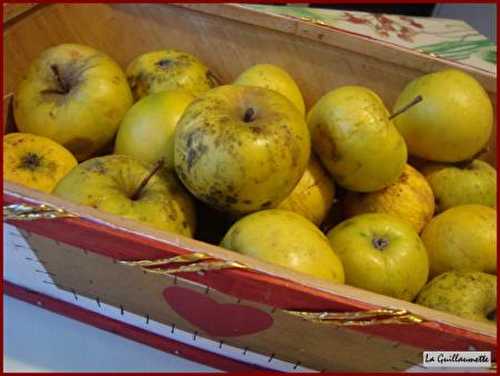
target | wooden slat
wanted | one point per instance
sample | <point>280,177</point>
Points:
<point>11,11</point>
<point>118,238</point>
<point>332,36</point>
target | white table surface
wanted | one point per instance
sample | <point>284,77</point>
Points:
<point>39,340</point>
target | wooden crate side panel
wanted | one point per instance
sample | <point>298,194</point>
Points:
<point>218,316</point>
<point>264,283</point>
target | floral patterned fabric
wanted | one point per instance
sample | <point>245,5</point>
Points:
<point>444,38</point>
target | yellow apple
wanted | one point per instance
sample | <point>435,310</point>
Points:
<point>452,123</point>
<point>111,184</point>
<point>462,238</point>
<point>35,161</point>
<point>381,253</point>
<point>287,239</point>
<point>74,95</point>
<point>241,148</point>
<point>473,182</point>
<point>471,295</point>
<point>354,138</point>
<point>148,128</point>
<point>410,199</point>
<point>274,78</point>
<point>313,196</point>
<point>162,70</point>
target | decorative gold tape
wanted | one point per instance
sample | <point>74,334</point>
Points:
<point>26,212</point>
<point>203,266</point>
<point>198,262</point>
<point>201,262</point>
<point>192,257</point>
<point>361,318</point>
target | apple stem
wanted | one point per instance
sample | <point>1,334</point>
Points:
<point>417,99</point>
<point>214,79</point>
<point>249,115</point>
<point>138,191</point>
<point>64,88</point>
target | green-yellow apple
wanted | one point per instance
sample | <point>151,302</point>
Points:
<point>287,239</point>
<point>313,196</point>
<point>352,134</point>
<point>410,198</point>
<point>462,238</point>
<point>452,123</point>
<point>241,148</point>
<point>162,70</point>
<point>473,182</point>
<point>274,78</point>
<point>471,295</point>
<point>381,253</point>
<point>74,95</point>
<point>148,128</point>
<point>124,186</point>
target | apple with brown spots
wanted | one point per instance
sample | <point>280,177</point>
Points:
<point>74,95</point>
<point>241,148</point>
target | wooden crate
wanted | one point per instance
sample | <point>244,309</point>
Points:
<point>250,307</point>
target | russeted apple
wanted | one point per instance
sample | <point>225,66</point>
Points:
<point>471,295</point>
<point>455,184</point>
<point>241,148</point>
<point>157,71</point>
<point>354,137</point>
<point>462,238</point>
<point>74,95</point>
<point>274,78</point>
<point>410,198</point>
<point>314,194</point>
<point>124,186</point>
<point>35,161</point>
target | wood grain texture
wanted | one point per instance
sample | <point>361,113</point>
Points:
<point>11,11</point>
<point>332,36</point>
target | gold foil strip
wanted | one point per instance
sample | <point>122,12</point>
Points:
<point>191,257</point>
<point>361,318</point>
<point>203,266</point>
<point>26,212</point>
<point>201,262</point>
<point>198,262</point>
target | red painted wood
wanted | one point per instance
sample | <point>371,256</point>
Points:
<point>218,320</point>
<point>128,331</point>
<point>247,284</point>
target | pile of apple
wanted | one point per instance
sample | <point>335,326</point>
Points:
<point>166,144</point>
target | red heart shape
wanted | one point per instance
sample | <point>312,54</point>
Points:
<point>219,320</point>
